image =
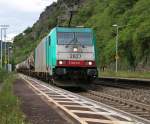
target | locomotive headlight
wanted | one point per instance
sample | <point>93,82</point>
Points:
<point>90,63</point>
<point>60,62</point>
<point>75,49</point>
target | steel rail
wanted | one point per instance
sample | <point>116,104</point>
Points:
<point>135,108</point>
<point>119,79</point>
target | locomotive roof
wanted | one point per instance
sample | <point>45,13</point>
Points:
<point>72,29</point>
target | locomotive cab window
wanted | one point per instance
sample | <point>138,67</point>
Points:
<point>82,38</point>
<point>65,38</point>
<point>49,40</point>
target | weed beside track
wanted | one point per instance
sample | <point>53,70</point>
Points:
<point>10,112</point>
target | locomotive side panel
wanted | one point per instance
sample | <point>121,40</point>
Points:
<point>51,51</point>
<point>40,57</point>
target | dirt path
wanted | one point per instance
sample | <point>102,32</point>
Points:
<point>36,110</point>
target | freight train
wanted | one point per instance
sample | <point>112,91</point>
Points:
<point>64,53</point>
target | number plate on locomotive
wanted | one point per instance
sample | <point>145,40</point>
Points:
<point>75,56</point>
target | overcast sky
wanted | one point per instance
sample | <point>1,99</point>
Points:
<point>20,14</point>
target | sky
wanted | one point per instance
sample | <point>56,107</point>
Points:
<point>20,14</point>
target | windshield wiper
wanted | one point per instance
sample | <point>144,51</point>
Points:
<point>76,41</point>
<point>70,41</point>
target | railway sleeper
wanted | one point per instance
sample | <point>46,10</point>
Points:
<point>136,111</point>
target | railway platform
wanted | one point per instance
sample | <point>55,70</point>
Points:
<point>35,109</point>
<point>80,109</point>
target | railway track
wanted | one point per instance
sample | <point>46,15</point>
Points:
<point>82,109</point>
<point>141,89</point>
<point>126,89</point>
<point>122,86</point>
<point>124,82</point>
<point>135,108</point>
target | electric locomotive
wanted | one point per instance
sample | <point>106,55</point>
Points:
<point>66,53</point>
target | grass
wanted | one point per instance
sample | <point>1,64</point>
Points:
<point>10,112</point>
<point>126,74</point>
<point>2,75</point>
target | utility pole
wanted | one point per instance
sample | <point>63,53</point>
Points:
<point>117,37</point>
<point>1,48</point>
<point>9,52</point>
<point>9,48</point>
<point>3,28</point>
<point>5,61</point>
<point>117,57</point>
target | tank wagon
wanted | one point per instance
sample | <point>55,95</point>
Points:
<point>64,53</point>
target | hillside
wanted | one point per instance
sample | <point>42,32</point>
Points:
<point>134,35</point>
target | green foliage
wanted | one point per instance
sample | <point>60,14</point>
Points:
<point>134,36</point>
<point>3,75</point>
<point>134,45</point>
<point>10,112</point>
<point>126,74</point>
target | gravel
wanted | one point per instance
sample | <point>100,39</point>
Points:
<point>141,95</point>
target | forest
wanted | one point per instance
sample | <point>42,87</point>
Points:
<point>132,17</point>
